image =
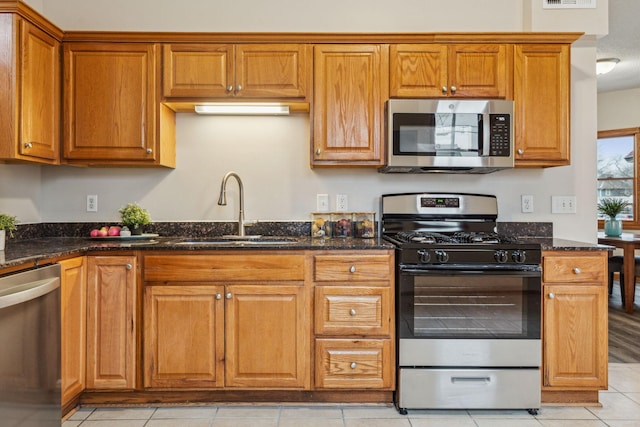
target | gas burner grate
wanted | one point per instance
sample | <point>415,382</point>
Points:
<point>457,237</point>
<point>424,237</point>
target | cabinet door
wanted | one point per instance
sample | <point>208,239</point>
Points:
<point>111,326</point>
<point>183,336</point>
<point>437,70</point>
<point>267,336</point>
<point>272,70</point>
<point>351,85</point>
<point>40,94</point>
<point>197,70</point>
<point>109,102</point>
<point>73,330</point>
<point>541,104</point>
<point>575,336</point>
<point>418,70</point>
<point>479,70</point>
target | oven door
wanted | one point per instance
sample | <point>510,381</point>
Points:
<point>455,316</point>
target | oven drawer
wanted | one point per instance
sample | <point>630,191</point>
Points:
<point>469,388</point>
<point>573,268</point>
<point>353,267</point>
<point>354,364</point>
<point>352,310</point>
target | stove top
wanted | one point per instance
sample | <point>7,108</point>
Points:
<point>429,238</point>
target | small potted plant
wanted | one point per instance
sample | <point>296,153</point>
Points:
<point>7,223</point>
<point>611,207</point>
<point>134,217</point>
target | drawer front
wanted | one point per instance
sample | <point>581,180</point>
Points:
<point>354,364</point>
<point>574,269</point>
<point>223,267</point>
<point>352,268</point>
<point>352,310</point>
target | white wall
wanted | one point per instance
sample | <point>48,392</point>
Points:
<point>271,154</point>
<point>619,109</point>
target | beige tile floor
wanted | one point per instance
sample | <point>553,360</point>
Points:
<point>620,408</point>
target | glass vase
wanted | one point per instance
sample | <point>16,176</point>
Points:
<point>613,227</point>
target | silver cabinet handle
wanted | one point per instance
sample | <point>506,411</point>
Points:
<point>238,88</point>
<point>28,145</point>
<point>149,151</point>
<point>353,365</point>
<point>552,295</point>
<point>444,90</point>
<point>229,88</point>
<point>218,296</point>
<point>352,269</point>
<point>576,270</point>
<point>318,151</point>
<point>228,295</point>
<point>352,312</point>
<point>128,266</point>
<point>453,90</point>
<point>520,151</point>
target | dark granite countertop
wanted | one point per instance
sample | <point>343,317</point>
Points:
<point>30,252</point>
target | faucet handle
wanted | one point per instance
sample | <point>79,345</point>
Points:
<point>250,222</point>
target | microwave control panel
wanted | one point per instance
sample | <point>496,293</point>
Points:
<point>500,135</point>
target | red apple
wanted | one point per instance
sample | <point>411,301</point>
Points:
<point>94,232</point>
<point>114,231</point>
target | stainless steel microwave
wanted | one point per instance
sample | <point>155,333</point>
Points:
<point>448,135</point>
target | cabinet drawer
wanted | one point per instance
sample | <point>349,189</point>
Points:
<point>352,310</point>
<point>574,268</point>
<point>354,364</point>
<point>223,267</point>
<point>352,268</point>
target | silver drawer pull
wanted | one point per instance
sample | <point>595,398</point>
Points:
<point>352,312</point>
<point>353,365</point>
<point>218,296</point>
<point>128,266</point>
<point>352,269</point>
<point>552,295</point>
<point>577,270</point>
<point>484,380</point>
<point>228,296</point>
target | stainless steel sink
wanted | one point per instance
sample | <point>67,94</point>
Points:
<point>249,241</point>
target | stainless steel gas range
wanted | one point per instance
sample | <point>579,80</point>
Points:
<point>468,305</point>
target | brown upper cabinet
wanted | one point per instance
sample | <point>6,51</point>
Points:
<point>351,85</point>
<point>111,113</point>
<point>29,91</point>
<point>542,98</point>
<point>242,70</point>
<point>456,70</point>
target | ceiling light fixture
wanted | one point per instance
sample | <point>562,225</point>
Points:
<point>243,109</point>
<point>605,65</point>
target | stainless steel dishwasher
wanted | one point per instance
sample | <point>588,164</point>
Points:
<point>30,348</point>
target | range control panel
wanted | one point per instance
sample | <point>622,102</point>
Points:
<point>439,202</point>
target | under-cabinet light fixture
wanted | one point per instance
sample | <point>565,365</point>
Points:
<point>605,65</point>
<point>241,109</point>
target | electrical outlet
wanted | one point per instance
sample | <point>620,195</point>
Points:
<point>341,202</point>
<point>527,203</point>
<point>322,202</point>
<point>563,204</point>
<point>92,203</point>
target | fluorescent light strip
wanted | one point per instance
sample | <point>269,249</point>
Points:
<point>243,109</point>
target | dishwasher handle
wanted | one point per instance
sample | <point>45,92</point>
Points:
<point>28,291</point>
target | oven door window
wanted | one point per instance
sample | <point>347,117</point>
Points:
<point>479,305</point>
<point>437,134</point>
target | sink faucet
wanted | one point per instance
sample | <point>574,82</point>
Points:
<point>222,200</point>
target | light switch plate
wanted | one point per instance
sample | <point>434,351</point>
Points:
<point>563,204</point>
<point>322,202</point>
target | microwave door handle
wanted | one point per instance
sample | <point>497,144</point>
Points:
<point>485,138</point>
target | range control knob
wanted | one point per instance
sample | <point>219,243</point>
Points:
<point>442,256</point>
<point>423,256</point>
<point>500,256</point>
<point>519,256</point>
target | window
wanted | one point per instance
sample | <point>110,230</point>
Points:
<point>618,170</point>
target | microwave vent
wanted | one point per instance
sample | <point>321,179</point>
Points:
<point>568,4</point>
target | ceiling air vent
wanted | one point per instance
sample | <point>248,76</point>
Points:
<point>568,4</point>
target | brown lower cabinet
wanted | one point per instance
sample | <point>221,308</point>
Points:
<point>575,322</point>
<point>233,321</point>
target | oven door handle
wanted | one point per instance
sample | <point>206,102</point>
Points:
<point>436,269</point>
